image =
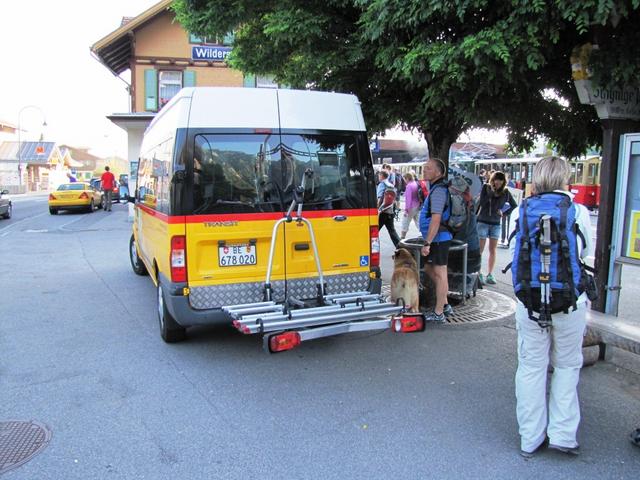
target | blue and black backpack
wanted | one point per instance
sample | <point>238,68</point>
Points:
<point>567,277</point>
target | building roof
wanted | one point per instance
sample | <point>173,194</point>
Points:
<point>30,152</point>
<point>7,127</point>
<point>114,51</point>
<point>80,157</point>
<point>478,149</point>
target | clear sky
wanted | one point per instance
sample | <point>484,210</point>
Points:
<point>44,50</point>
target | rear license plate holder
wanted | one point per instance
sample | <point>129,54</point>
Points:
<point>237,255</point>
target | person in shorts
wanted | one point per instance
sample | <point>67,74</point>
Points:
<point>437,238</point>
<point>495,202</point>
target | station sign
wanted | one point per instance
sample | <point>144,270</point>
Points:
<point>210,53</point>
<point>609,102</point>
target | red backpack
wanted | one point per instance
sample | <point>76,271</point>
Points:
<point>423,191</point>
<point>388,200</point>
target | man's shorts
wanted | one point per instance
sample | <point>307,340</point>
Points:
<point>486,230</point>
<point>439,253</point>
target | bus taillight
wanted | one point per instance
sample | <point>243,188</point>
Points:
<point>178,259</point>
<point>375,246</point>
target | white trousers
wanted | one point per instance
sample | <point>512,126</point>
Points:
<point>412,214</point>
<point>562,344</point>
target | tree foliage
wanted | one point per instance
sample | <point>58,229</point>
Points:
<point>442,66</point>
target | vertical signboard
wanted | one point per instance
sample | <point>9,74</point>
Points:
<point>628,208</point>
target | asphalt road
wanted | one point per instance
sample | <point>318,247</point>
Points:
<point>81,352</point>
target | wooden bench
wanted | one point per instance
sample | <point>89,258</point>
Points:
<point>603,330</point>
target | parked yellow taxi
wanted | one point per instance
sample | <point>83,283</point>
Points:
<point>74,196</point>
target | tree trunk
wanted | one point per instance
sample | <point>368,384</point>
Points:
<point>439,145</point>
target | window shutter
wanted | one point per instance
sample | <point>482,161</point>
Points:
<point>150,90</point>
<point>228,39</point>
<point>249,81</point>
<point>189,78</point>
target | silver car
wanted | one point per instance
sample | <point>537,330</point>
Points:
<point>5,204</point>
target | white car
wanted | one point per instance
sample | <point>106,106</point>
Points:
<point>5,204</point>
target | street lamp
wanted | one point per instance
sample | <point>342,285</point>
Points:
<point>44,124</point>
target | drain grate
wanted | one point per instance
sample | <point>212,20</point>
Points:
<point>484,307</point>
<point>20,442</point>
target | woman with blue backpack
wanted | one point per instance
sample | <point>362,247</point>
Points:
<point>553,235</point>
<point>495,202</point>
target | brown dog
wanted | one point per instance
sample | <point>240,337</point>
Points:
<point>405,281</point>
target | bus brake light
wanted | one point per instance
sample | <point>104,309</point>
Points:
<point>178,259</point>
<point>375,246</point>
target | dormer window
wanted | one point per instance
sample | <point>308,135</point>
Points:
<point>226,40</point>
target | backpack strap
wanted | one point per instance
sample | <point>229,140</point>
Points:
<point>447,204</point>
<point>565,252</point>
<point>524,260</point>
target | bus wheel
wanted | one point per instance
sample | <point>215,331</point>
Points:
<point>136,262</point>
<point>170,331</point>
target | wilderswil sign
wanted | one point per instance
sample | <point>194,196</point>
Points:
<point>620,103</point>
<point>209,53</point>
<point>610,103</point>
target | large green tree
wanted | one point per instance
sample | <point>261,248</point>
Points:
<point>441,66</point>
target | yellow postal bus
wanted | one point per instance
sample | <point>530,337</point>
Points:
<point>257,208</point>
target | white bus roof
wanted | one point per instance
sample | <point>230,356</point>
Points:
<point>266,108</point>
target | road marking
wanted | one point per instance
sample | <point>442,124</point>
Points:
<point>69,223</point>
<point>5,229</point>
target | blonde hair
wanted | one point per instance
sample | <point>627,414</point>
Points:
<point>409,176</point>
<point>549,174</point>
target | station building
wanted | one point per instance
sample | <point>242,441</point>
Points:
<point>162,57</point>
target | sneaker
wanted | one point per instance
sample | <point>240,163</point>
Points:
<point>490,280</point>
<point>481,279</point>
<point>635,437</point>
<point>448,310</point>
<point>435,317</point>
<point>527,455</point>
<point>568,450</point>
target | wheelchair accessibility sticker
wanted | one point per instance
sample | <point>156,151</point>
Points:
<point>364,260</point>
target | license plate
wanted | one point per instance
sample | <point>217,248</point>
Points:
<point>236,255</point>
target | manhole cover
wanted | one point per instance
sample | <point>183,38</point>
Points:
<point>485,306</point>
<point>20,442</point>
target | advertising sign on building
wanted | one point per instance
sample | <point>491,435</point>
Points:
<point>210,53</point>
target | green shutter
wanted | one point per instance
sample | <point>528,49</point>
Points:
<point>249,80</point>
<point>189,78</point>
<point>150,90</point>
<point>228,38</point>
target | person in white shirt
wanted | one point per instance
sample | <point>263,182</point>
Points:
<point>561,344</point>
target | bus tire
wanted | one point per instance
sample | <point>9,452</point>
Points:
<point>136,262</point>
<point>170,331</point>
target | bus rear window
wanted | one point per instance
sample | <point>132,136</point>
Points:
<point>247,173</point>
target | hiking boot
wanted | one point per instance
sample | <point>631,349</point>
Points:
<point>490,280</point>
<point>568,450</point>
<point>435,317</point>
<point>448,310</point>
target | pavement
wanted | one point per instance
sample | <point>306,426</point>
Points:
<point>621,331</point>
